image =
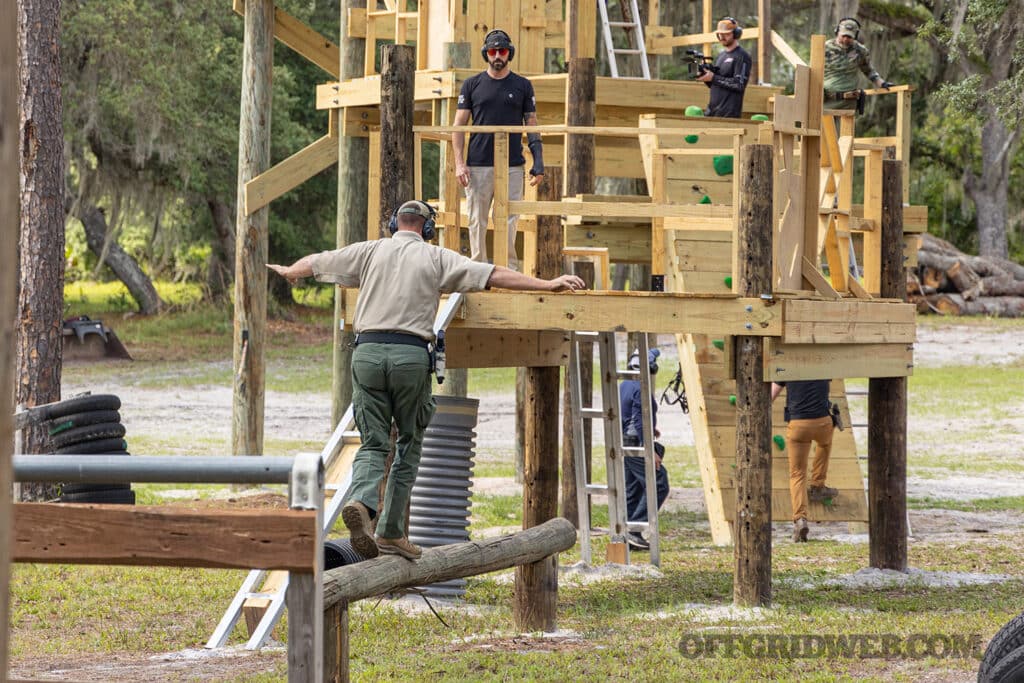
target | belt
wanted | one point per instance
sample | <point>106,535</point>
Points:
<point>390,338</point>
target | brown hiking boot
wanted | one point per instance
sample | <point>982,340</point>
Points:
<point>357,519</point>
<point>399,546</point>
<point>821,493</point>
<point>800,531</point>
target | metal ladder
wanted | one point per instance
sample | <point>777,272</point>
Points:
<point>634,33</point>
<point>608,413</point>
<point>275,591</point>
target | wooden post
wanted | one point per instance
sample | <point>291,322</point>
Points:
<point>887,402</point>
<point>336,642</point>
<point>536,589</point>
<point>764,42</point>
<point>353,190</point>
<point>251,243</point>
<point>753,549</point>
<point>397,82</point>
<point>9,212</point>
<point>580,110</point>
<point>811,159</point>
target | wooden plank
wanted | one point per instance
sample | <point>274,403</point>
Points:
<point>844,472</point>
<point>625,243</point>
<point>849,506</point>
<point>468,348</point>
<point>290,173</point>
<point>699,255</point>
<point>616,210</point>
<point>788,53</point>
<point>790,362</point>
<point>502,207</point>
<point>818,281</point>
<point>162,536</point>
<point>620,311</point>
<point>304,40</point>
<point>873,212</point>
<point>373,186</point>
<point>849,311</point>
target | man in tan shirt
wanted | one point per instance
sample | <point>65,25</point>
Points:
<point>401,280</point>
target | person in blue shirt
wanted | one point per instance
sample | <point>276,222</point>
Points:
<point>630,408</point>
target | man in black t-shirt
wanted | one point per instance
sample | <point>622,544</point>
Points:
<point>495,97</point>
<point>809,420</point>
<point>733,71</point>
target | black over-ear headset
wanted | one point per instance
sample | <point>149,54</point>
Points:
<point>737,30</point>
<point>429,224</point>
<point>854,20</point>
<point>501,39</point>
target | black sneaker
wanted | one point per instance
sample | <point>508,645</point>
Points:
<point>637,542</point>
<point>821,493</point>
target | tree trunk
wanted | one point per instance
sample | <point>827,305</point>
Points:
<point>41,244</point>
<point>221,271</point>
<point>989,191</point>
<point>124,266</point>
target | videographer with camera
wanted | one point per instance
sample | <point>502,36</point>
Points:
<point>844,57</point>
<point>728,76</point>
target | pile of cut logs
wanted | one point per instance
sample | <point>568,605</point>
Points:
<point>950,282</point>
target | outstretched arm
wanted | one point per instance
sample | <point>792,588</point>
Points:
<point>300,269</point>
<point>506,278</point>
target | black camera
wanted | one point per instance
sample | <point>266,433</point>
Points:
<point>698,64</point>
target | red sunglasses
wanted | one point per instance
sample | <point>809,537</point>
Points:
<point>497,52</point>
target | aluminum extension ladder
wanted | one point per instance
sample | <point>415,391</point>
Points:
<point>634,31</point>
<point>608,413</point>
<point>274,591</point>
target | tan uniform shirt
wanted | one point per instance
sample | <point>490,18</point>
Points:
<point>400,281</point>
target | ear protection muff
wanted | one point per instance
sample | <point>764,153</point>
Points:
<point>737,30</point>
<point>498,38</point>
<point>850,19</point>
<point>429,224</point>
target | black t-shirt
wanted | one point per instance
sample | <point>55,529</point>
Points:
<point>807,399</point>
<point>729,83</point>
<point>496,102</point>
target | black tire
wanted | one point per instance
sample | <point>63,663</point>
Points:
<point>83,404</point>
<point>1008,638</point>
<point>69,489</point>
<point>1010,668</point>
<point>62,424</point>
<point>119,497</point>
<point>107,430</point>
<point>101,447</point>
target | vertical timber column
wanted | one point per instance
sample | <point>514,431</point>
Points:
<point>9,212</point>
<point>353,189</point>
<point>580,110</point>
<point>251,231</point>
<point>536,589</point>
<point>753,549</point>
<point>887,402</point>
<point>397,83</point>
<point>764,42</point>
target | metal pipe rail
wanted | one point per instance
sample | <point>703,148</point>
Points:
<point>156,469</point>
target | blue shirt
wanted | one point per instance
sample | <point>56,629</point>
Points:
<point>631,409</point>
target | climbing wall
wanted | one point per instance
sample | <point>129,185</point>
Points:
<point>700,260</point>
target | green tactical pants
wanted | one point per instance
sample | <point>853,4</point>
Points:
<point>389,381</point>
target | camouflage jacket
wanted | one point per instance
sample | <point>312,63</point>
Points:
<point>841,66</point>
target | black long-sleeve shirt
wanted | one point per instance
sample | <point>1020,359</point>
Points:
<point>729,83</point>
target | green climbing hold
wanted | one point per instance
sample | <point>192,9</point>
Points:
<point>719,344</point>
<point>780,442</point>
<point>728,281</point>
<point>732,399</point>
<point>694,110</point>
<point>692,139</point>
<point>705,200</point>
<point>759,117</point>
<point>722,164</point>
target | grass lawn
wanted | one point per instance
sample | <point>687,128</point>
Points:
<point>628,627</point>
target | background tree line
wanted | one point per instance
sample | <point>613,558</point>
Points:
<point>151,115</point>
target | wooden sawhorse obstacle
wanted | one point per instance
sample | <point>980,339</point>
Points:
<point>388,574</point>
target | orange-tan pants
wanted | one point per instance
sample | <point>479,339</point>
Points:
<point>799,435</point>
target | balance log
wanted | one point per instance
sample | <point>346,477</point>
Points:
<point>391,572</point>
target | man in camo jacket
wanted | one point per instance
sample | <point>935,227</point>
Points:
<point>844,57</point>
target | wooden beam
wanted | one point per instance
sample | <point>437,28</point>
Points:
<point>9,220</point>
<point>165,537</point>
<point>468,348</point>
<point>301,38</point>
<point>764,41</point>
<point>887,402</point>
<point>252,241</point>
<point>290,173</point>
<point>818,281</point>
<point>791,362</point>
<point>780,44</point>
<point>397,78</point>
<point>752,583</point>
<point>619,211</point>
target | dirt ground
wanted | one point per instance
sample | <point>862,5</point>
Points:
<point>207,410</point>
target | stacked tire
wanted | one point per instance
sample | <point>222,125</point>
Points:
<point>89,425</point>
<point>1003,661</point>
